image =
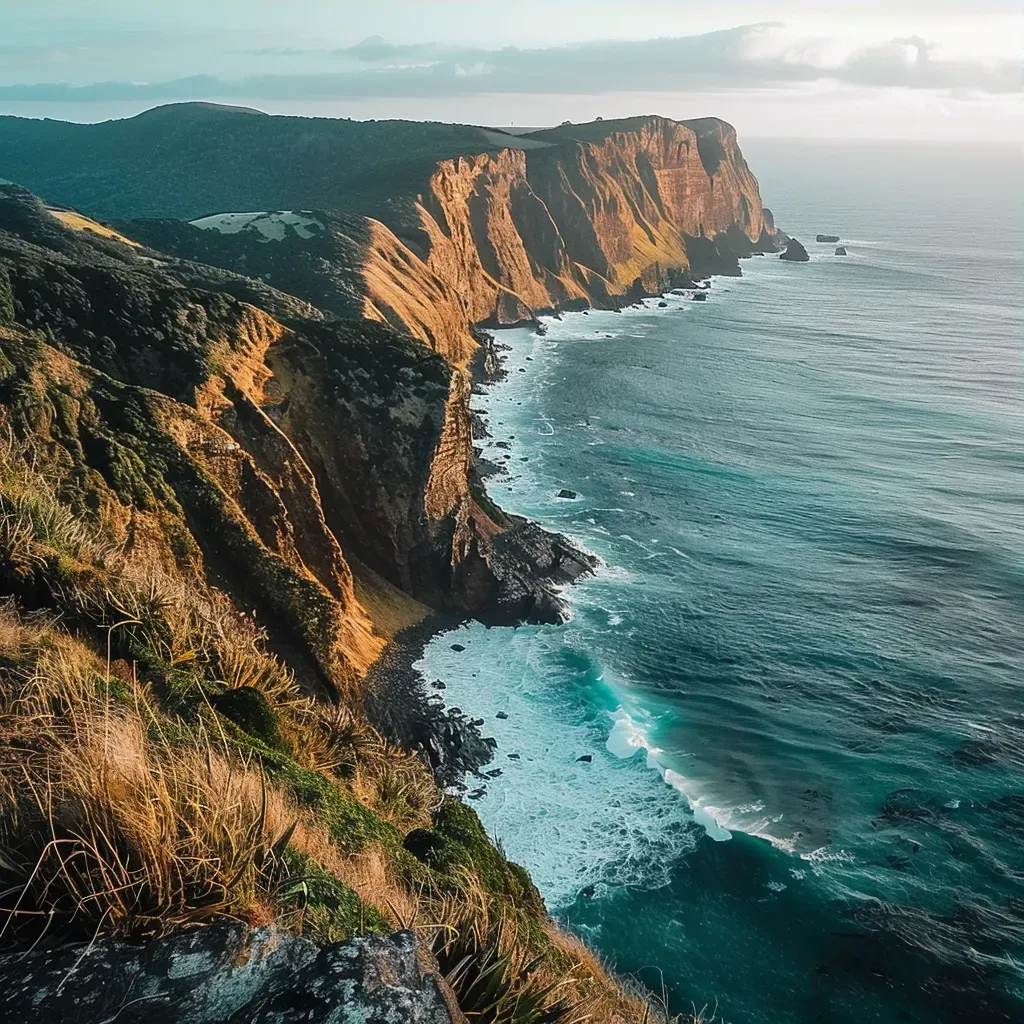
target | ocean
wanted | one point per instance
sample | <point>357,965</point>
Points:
<point>774,765</point>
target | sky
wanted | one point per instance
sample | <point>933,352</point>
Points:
<point>893,69</point>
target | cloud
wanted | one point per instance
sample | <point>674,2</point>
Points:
<point>749,56</point>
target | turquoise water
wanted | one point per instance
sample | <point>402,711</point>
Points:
<point>799,674</point>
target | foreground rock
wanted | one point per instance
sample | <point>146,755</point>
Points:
<point>227,974</point>
<point>795,252</point>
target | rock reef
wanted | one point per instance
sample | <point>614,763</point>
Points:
<point>795,252</point>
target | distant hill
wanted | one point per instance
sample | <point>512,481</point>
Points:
<point>190,159</point>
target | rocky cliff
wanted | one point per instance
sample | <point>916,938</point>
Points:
<point>352,415</point>
<point>596,214</point>
<point>237,458</point>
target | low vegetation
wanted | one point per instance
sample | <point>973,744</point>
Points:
<point>159,767</point>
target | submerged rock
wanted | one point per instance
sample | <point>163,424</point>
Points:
<point>795,252</point>
<point>227,974</point>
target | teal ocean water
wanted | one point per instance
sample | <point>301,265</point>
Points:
<point>799,674</point>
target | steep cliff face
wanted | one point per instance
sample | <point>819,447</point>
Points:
<point>150,399</point>
<point>602,212</point>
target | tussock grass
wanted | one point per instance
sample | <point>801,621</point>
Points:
<point>159,766</point>
<point>492,973</point>
<point>110,825</point>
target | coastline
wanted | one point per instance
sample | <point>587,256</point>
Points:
<point>400,700</point>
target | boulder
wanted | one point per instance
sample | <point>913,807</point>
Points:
<point>795,252</point>
<point>227,974</point>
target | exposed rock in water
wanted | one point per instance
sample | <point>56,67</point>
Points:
<point>228,974</point>
<point>795,252</point>
<point>585,759</point>
<point>700,296</point>
<point>827,238</point>
<point>567,494</point>
<point>662,304</point>
<point>841,251</point>
<point>458,648</point>
<point>400,704</point>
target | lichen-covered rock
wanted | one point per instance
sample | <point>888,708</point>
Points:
<point>227,974</point>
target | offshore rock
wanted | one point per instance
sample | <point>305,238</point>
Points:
<point>841,250</point>
<point>795,252</point>
<point>228,974</point>
<point>827,238</point>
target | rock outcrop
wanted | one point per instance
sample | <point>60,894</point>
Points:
<point>228,974</point>
<point>795,252</point>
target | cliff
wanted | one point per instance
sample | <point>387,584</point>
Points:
<point>602,213</point>
<point>428,245</point>
<point>237,459</point>
<point>491,226</point>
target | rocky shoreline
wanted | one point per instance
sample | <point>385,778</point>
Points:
<point>532,564</point>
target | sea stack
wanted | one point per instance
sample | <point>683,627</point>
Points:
<point>795,252</point>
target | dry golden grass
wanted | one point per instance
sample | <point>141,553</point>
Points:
<point>397,785</point>
<point>119,818</point>
<point>77,222</point>
<point>109,825</point>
